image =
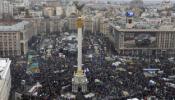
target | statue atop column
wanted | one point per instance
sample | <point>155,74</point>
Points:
<point>79,81</point>
<point>79,6</point>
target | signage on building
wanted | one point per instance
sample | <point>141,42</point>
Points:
<point>129,14</point>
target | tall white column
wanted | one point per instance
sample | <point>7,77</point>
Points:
<point>79,80</point>
<point>79,59</point>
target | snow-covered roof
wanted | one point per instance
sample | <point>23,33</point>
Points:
<point>4,67</point>
<point>16,27</point>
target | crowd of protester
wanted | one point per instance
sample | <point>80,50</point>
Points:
<point>107,82</point>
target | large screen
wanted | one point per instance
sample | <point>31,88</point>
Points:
<point>129,14</point>
<point>141,40</point>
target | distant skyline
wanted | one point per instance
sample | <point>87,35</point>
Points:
<point>146,1</point>
<point>143,0</point>
<point>131,0</point>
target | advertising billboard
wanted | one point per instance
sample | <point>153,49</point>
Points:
<point>129,14</point>
<point>140,40</point>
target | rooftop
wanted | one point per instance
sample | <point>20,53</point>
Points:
<point>147,24</point>
<point>15,27</point>
<point>4,67</point>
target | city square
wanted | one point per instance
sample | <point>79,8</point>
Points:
<point>87,50</point>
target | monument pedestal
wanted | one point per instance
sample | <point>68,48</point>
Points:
<point>79,81</point>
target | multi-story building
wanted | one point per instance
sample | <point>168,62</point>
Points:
<point>72,23</point>
<point>39,24</point>
<point>14,38</point>
<point>5,78</point>
<point>21,3</point>
<point>156,41</point>
<point>142,36</point>
<point>56,24</point>
<point>1,8</point>
<point>34,13</point>
<point>59,11</point>
<point>70,9</point>
<point>166,4</point>
<point>88,24</point>
<point>48,11</point>
<point>104,25</point>
<point>91,24</point>
<point>136,3</point>
<point>6,9</point>
<point>48,25</point>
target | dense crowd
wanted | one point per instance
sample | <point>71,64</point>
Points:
<point>106,81</point>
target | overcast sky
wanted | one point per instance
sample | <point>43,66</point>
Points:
<point>143,0</point>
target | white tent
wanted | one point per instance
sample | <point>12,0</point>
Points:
<point>133,99</point>
<point>116,64</point>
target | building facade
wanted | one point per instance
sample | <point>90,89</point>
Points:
<point>6,9</point>
<point>5,78</point>
<point>48,11</point>
<point>148,42</point>
<point>104,25</point>
<point>91,24</point>
<point>72,23</point>
<point>14,38</point>
<point>47,25</point>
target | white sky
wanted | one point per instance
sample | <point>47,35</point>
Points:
<point>143,0</point>
<point>130,0</point>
